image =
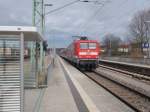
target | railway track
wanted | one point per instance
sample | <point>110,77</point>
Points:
<point>138,100</point>
<point>133,68</point>
<point>134,75</point>
<point>134,99</point>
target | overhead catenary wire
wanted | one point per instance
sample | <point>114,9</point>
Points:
<point>62,7</point>
<point>102,3</point>
<point>91,18</point>
<point>86,24</point>
<point>96,13</point>
<point>73,2</point>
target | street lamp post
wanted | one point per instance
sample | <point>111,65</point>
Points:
<point>44,14</point>
<point>48,5</point>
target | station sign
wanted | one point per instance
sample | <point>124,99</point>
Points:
<point>145,45</point>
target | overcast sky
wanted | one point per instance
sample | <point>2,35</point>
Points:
<point>79,19</point>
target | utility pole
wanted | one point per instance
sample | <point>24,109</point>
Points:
<point>42,16</point>
<point>38,14</point>
<point>32,46</point>
<point>33,11</point>
<point>38,20</point>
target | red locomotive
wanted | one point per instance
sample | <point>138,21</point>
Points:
<point>83,53</point>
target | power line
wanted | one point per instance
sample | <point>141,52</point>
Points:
<point>91,18</point>
<point>71,3</point>
<point>96,13</point>
<point>102,3</point>
<point>86,24</point>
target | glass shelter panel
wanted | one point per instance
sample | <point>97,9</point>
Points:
<point>30,65</point>
<point>10,74</point>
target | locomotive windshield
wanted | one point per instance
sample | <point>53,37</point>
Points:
<point>92,45</point>
<point>83,45</point>
<point>87,45</point>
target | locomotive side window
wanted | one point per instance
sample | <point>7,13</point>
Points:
<point>92,45</point>
<point>83,45</point>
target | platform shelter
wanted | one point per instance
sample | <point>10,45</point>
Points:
<point>18,65</point>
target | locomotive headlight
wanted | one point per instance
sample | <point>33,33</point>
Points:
<point>82,53</point>
<point>94,53</point>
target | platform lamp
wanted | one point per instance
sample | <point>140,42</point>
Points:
<point>48,5</point>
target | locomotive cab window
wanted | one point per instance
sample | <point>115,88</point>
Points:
<point>92,45</point>
<point>87,45</point>
<point>83,45</point>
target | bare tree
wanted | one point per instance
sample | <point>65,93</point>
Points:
<point>139,28</point>
<point>111,43</point>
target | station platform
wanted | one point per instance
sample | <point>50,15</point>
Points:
<point>71,91</point>
<point>57,97</point>
<point>103,100</point>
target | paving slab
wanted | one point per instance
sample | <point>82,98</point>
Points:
<point>31,98</point>
<point>57,97</point>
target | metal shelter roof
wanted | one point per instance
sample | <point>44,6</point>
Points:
<point>30,33</point>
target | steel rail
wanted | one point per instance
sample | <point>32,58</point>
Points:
<point>135,75</point>
<point>133,68</point>
<point>112,86</point>
<point>132,98</point>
